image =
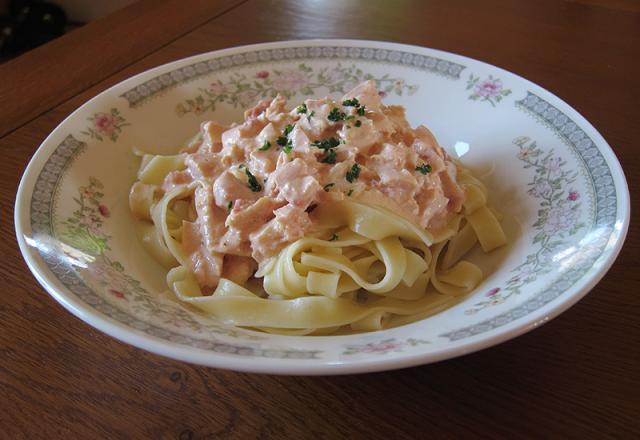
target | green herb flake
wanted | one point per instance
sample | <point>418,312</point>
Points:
<point>229,206</point>
<point>288,129</point>
<point>333,237</point>
<point>330,157</point>
<point>353,174</point>
<point>302,109</point>
<point>284,140</point>
<point>424,168</point>
<point>349,193</point>
<point>265,146</point>
<point>361,111</point>
<point>336,115</point>
<point>254,185</point>
<point>311,115</point>
<point>358,123</point>
<point>326,144</point>
<point>328,186</point>
<point>351,102</point>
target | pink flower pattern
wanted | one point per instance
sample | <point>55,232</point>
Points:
<point>289,79</point>
<point>84,231</point>
<point>241,90</point>
<point>489,89</point>
<point>106,125</point>
<point>558,217</point>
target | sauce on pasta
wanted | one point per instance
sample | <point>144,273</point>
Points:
<point>333,216</point>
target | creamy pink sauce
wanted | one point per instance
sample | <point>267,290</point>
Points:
<point>250,223</point>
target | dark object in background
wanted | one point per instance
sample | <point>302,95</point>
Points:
<point>28,25</point>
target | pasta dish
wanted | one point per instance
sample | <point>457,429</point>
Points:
<point>331,217</point>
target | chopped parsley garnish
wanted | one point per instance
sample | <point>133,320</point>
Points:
<point>349,193</point>
<point>353,173</point>
<point>288,129</point>
<point>229,205</point>
<point>328,186</point>
<point>424,168</point>
<point>265,146</point>
<point>326,144</point>
<point>333,237</point>
<point>302,108</point>
<point>350,117</point>
<point>336,115</point>
<point>351,102</point>
<point>361,111</point>
<point>253,182</point>
<point>311,115</point>
<point>358,123</point>
<point>329,146</point>
<point>330,157</point>
<point>284,140</point>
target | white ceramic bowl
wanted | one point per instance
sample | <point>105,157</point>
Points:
<point>546,166</point>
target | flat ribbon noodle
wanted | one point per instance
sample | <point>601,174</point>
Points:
<point>315,285</point>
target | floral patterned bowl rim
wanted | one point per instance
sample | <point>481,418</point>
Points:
<point>571,188</point>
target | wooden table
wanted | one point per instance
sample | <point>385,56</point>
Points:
<point>578,376</point>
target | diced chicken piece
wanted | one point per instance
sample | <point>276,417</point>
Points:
<point>276,112</point>
<point>238,269</point>
<point>256,111</point>
<point>290,224</point>
<point>176,179</point>
<point>210,217</point>
<point>337,173</point>
<point>396,115</point>
<point>211,137</point>
<point>361,138</point>
<point>205,264</point>
<point>375,197</point>
<point>381,124</point>
<point>204,166</point>
<point>402,188</point>
<point>390,160</point>
<point>228,188</point>
<point>433,203</point>
<point>247,219</point>
<point>268,134</point>
<point>451,189</point>
<point>232,243</point>
<point>299,139</point>
<point>296,183</point>
<point>367,95</point>
<point>315,122</point>
<point>245,131</point>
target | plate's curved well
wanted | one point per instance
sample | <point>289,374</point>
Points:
<point>553,173</point>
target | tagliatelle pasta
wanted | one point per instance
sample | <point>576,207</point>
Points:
<point>332,217</point>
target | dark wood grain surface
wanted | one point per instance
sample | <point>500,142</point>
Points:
<point>576,377</point>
